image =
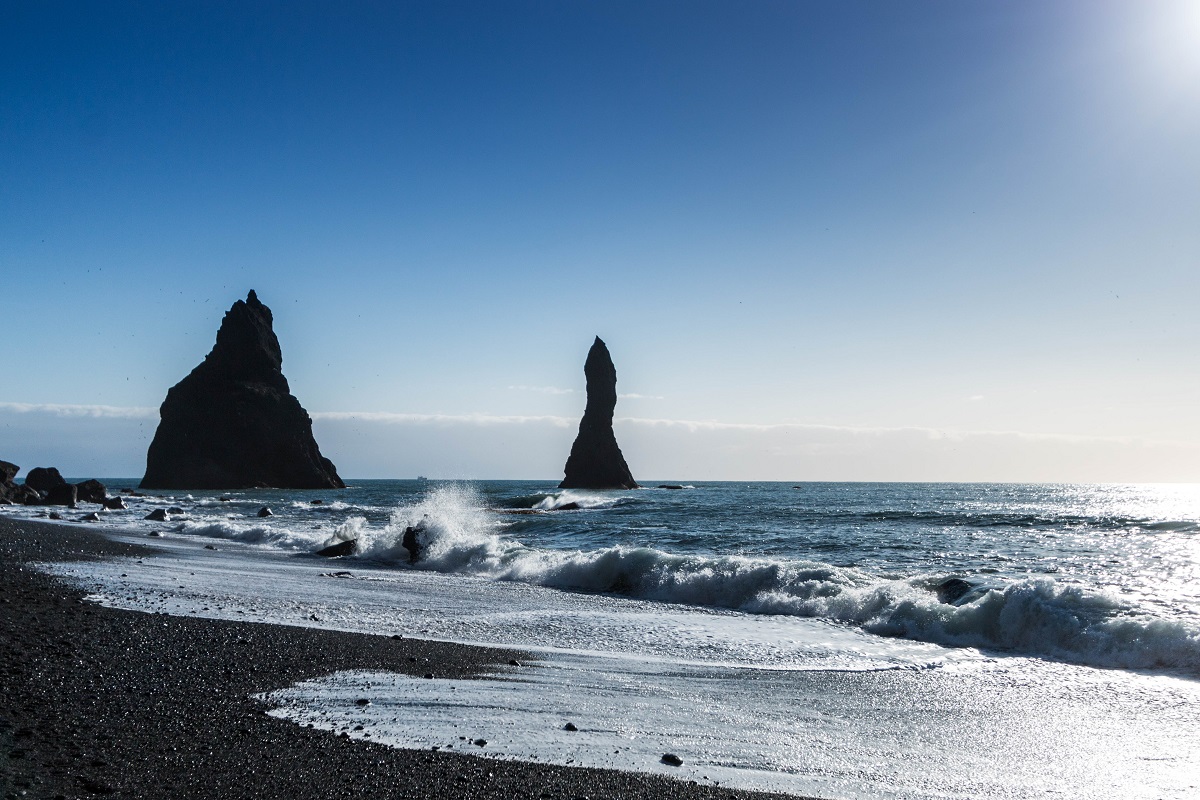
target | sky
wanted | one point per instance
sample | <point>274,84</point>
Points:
<point>823,239</point>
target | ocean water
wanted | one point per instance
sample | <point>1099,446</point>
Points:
<point>781,636</point>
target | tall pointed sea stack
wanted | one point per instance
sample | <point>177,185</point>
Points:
<point>596,461</point>
<point>233,422</point>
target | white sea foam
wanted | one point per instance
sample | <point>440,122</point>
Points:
<point>1037,617</point>
<point>1043,617</point>
<point>584,500</point>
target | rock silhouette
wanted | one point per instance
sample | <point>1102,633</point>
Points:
<point>233,422</point>
<point>596,461</point>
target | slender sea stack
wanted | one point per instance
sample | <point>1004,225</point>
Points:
<point>233,422</point>
<point>596,461</point>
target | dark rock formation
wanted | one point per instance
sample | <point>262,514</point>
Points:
<point>8,486</point>
<point>64,494</point>
<point>265,512</point>
<point>596,461</point>
<point>952,590</point>
<point>233,422</point>
<point>157,515</point>
<point>338,550</point>
<point>43,479</point>
<point>25,495</point>
<point>91,491</point>
<point>115,504</point>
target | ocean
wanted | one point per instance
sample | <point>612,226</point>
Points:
<point>839,640</point>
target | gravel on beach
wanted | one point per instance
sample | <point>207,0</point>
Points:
<point>98,702</point>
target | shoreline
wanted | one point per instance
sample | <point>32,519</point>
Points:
<point>103,702</point>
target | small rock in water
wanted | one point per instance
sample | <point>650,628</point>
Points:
<point>154,534</point>
<point>362,701</point>
<point>669,486</point>
<point>225,499</point>
<point>672,760</point>
<point>55,515</point>
<point>114,503</point>
<point>317,502</point>
<point>266,512</point>
<point>210,547</point>
<point>479,742</point>
<point>157,515</point>
<point>570,726</point>
<point>92,517</point>
<point>337,550</point>
<point>397,636</point>
<point>512,662</point>
<point>174,510</point>
<point>952,590</point>
<point>428,674</point>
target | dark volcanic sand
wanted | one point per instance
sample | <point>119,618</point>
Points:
<point>100,702</point>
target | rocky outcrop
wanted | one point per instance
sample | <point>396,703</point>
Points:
<point>43,479</point>
<point>8,486</point>
<point>233,422</point>
<point>596,461</point>
<point>91,491</point>
<point>64,494</point>
<point>46,486</point>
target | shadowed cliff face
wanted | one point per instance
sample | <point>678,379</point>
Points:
<point>596,461</point>
<point>233,422</point>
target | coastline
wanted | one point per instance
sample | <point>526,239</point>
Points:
<point>102,702</point>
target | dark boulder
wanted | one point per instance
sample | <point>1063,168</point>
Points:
<point>157,515</point>
<point>338,550</point>
<point>672,760</point>
<point>92,517</point>
<point>596,461</point>
<point>43,479</point>
<point>952,590</point>
<point>8,473</point>
<point>265,511</point>
<point>233,423</point>
<point>91,491</point>
<point>26,495</point>
<point>62,495</point>
<point>669,486</point>
<point>115,504</point>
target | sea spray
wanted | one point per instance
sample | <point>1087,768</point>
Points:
<point>1104,576</point>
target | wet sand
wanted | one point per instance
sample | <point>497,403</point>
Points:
<point>100,702</point>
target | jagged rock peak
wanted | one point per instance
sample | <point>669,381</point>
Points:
<point>596,461</point>
<point>246,342</point>
<point>233,423</point>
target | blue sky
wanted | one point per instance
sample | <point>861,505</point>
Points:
<point>823,240</point>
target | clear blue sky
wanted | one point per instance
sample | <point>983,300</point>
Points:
<point>856,240</point>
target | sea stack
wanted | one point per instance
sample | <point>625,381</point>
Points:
<point>233,422</point>
<point>596,461</point>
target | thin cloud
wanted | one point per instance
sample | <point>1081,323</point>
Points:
<point>542,389</point>
<point>70,410</point>
<point>636,396</point>
<point>930,433</point>
<point>393,418</point>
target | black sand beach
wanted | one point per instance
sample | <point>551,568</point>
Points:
<point>100,702</point>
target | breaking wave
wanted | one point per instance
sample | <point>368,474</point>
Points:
<point>1036,617</point>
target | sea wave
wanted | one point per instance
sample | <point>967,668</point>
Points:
<point>1037,617</point>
